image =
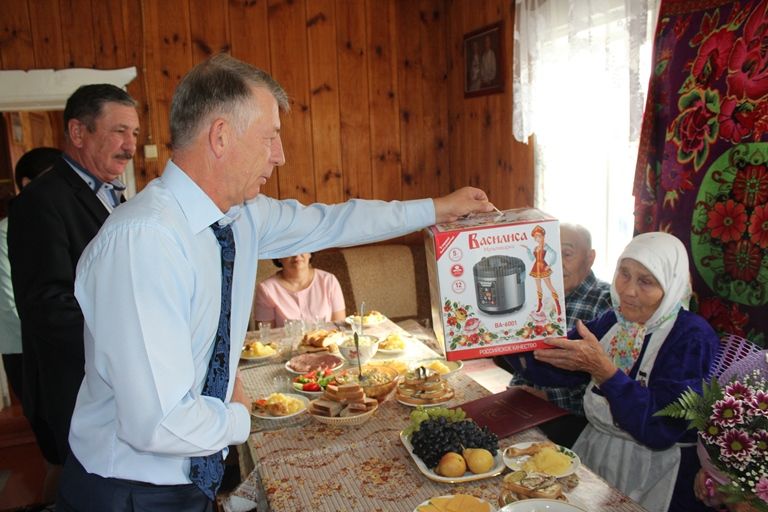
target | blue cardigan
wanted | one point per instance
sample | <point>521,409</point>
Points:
<point>683,361</point>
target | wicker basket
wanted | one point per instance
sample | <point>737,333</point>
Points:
<point>732,349</point>
<point>346,421</point>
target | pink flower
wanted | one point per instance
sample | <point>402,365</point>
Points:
<point>736,444</point>
<point>472,325</point>
<point>761,489</point>
<point>747,70</point>
<point>738,391</point>
<point>711,433</point>
<point>761,440</point>
<point>712,59</point>
<point>759,404</point>
<point>727,412</point>
<point>737,119</point>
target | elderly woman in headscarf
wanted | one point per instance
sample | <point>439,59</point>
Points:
<point>638,357</point>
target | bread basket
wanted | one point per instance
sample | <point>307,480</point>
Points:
<point>344,421</point>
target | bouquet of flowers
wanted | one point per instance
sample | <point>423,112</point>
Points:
<point>732,419</point>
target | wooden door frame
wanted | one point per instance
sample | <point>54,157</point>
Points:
<point>48,89</point>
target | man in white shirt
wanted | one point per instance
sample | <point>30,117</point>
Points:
<point>144,417</point>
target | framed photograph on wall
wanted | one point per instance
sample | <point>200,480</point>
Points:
<point>484,61</point>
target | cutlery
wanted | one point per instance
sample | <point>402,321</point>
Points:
<point>361,377</point>
<point>362,314</point>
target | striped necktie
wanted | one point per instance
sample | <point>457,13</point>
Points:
<point>206,472</point>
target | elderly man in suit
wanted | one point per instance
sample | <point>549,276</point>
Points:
<point>50,223</point>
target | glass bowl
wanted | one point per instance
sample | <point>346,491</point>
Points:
<point>368,347</point>
<point>378,383</point>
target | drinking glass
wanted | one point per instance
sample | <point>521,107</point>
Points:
<point>282,384</point>
<point>264,328</point>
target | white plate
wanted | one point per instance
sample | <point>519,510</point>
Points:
<point>390,351</point>
<point>426,406</point>
<point>491,507</point>
<point>310,394</point>
<point>453,366</point>
<point>515,463</point>
<point>304,400</point>
<point>498,467</point>
<point>368,320</point>
<point>540,505</point>
<point>257,358</point>
<point>246,357</point>
<point>288,367</point>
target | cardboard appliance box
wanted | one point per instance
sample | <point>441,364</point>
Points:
<point>496,283</point>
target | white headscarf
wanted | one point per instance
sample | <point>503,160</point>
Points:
<point>666,258</point>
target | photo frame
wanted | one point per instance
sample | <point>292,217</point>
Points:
<point>484,61</point>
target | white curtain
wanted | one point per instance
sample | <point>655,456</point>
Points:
<point>581,71</point>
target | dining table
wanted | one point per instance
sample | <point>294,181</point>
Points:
<point>298,463</point>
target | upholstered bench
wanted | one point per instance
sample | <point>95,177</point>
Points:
<point>390,278</point>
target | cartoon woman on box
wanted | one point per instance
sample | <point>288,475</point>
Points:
<point>543,256</point>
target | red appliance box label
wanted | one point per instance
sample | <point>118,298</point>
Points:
<point>496,350</point>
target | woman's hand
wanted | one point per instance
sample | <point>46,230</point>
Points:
<point>584,355</point>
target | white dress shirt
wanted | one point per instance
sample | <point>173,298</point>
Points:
<point>149,286</point>
<point>10,341</point>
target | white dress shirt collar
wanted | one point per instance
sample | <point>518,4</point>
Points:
<point>198,208</point>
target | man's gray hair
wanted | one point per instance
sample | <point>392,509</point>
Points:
<point>580,231</point>
<point>220,85</point>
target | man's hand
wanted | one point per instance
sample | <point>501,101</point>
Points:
<point>238,393</point>
<point>461,202</point>
<point>584,355</point>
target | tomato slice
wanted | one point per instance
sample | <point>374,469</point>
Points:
<point>311,386</point>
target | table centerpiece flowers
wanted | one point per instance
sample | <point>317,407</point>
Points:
<point>732,420</point>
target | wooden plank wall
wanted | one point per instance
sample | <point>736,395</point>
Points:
<point>483,152</point>
<point>375,85</point>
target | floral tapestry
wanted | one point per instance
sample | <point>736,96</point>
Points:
<point>702,171</point>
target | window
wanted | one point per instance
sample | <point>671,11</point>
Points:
<point>584,69</point>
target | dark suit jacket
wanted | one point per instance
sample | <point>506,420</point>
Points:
<point>49,225</point>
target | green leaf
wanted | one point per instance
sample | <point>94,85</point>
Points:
<point>694,407</point>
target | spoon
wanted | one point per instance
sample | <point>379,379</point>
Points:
<point>362,315</point>
<point>359,366</point>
